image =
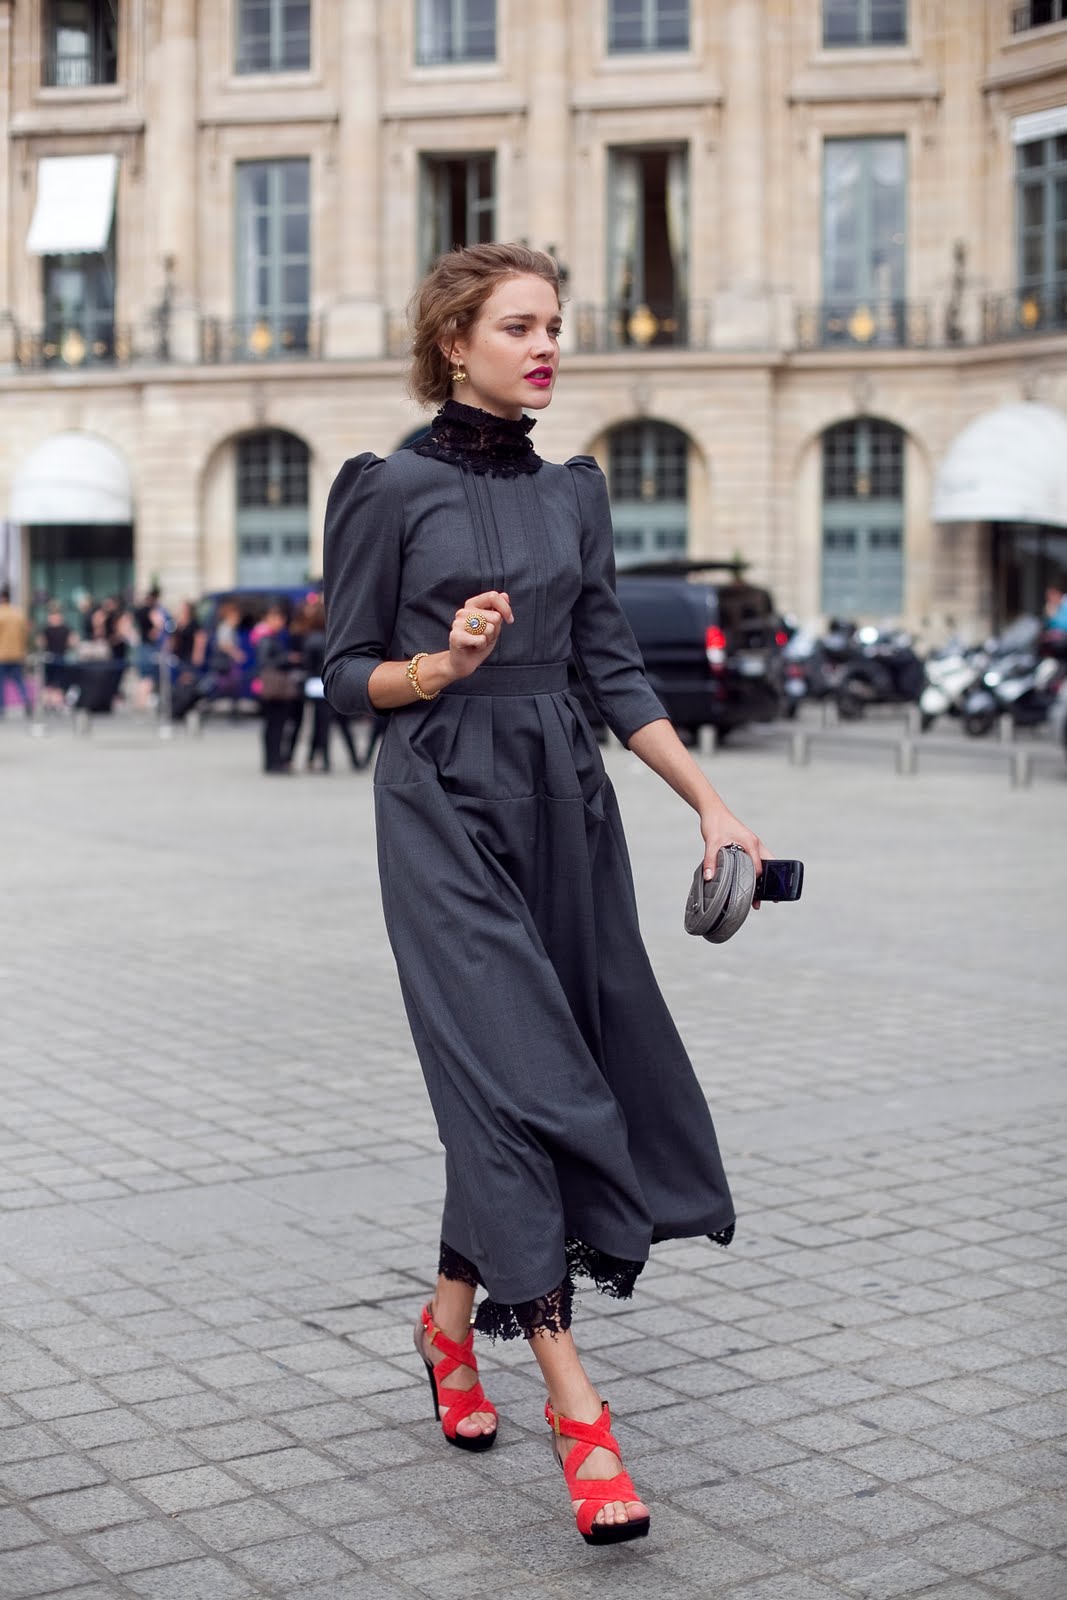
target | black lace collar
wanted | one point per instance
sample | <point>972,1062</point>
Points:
<point>477,441</point>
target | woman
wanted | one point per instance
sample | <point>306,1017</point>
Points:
<point>461,576</point>
<point>323,717</point>
<point>280,685</point>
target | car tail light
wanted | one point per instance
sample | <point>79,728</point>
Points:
<point>793,671</point>
<point>781,639</point>
<point>715,649</point>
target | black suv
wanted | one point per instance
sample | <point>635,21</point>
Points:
<point>712,650</point>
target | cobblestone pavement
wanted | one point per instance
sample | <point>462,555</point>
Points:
<point>219,1189</point>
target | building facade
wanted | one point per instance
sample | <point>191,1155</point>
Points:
<point>815,253</point>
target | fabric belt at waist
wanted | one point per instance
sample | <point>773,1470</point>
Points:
<point>548,677</point>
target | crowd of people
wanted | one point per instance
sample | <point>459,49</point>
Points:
<point>275,659</point>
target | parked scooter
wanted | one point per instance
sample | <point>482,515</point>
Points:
<point>951,674</point>
<point>881,668</point>
<point>1019,685</point>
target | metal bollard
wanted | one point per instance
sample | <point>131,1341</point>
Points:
<point>828,707</point>
<point>37,727</point>
<point>1022,769</point>
<point>166,724</point>
<point>1006,727</point>
<point>907,758</point>
<point>707,739</point>
<point>799,749</point>
<point>913,716</point>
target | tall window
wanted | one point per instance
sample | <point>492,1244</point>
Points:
<point>273,256</point>
<point>458,202</point>
<point>863,519</point>
<point>272,509</point>
<point>864,22</point>
<point>648,246</point>
<point>1041,184</point>
<point>455,30</point>
<point>648,472</point>
<point>273,35</point>
<point>79,302</point>
<point>81,43</point>
<point>864,241</point>
<point>647,25</point>
<point>1038,14</point>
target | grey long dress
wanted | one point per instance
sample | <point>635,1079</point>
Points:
<point>574,1128</point>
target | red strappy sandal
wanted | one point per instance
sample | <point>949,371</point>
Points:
<point>595,1492</point>
<point>457,1403</point>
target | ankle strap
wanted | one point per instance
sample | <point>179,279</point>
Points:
<point>447,1346</point>
<point>597,1434</point>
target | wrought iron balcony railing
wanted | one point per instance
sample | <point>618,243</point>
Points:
<point>1038,14</point>
<point>291,338</point>
<point>865,325</point>
<point>679,325</point>
<point>72,347</point>
<point>65,69</point>
<point>1024,312</point>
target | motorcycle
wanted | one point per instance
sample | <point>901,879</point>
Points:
<point>1021,686</point>
<point>950,675</point>
<point>881,668</point>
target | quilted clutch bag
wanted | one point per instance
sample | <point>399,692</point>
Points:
<point>716,907</point>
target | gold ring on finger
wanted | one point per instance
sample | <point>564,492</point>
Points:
<point>475,622</point>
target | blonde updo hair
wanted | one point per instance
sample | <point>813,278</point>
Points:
<point>447,303</point>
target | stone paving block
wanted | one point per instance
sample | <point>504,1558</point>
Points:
<point>1037,1419</point>
<point>818,1481</point>
<point>1040,1578</point>
<point>145,1458</point>
<point>285,1469</point>
<point>204,1579</point>
<point>1039,1519</point>
<point>361,1586</point>
<point>969,1490</point>
<point>733,1504</point>
<point>193,1410</point>
<point>882,1574</point>
<point>191,1489</point>
<point>896,1459</point>
<point>243,1522</point>
<point>139,1544</point>
<point>967,1548</point>
<point>305,1559</point>
<point>885,1513</point>
<point>233,1440</point>
<point>807,1537</point>
<point>787,1586</point>
<point>49,1475</point>
<point>96,1428</point>
<point>26,1442</point>
<point>17,1530</point>
<point>40,1570</point>
<point>967,1441</point>
<point>64,1400</point>
<point>88,1510</point>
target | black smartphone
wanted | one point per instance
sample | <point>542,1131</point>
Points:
<point>780,880</point>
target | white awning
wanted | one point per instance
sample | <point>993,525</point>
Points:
<point>1009,465</point>
<point>73,478</point>
<point>75,205</point>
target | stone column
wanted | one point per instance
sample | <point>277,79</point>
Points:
<point>7,328</point>
<point>171,146</point>
<point>549,143</point>
<point>743,304</point>
<point>356,318</point>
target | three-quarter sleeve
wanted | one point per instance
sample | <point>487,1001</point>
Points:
<point>360,580</point>
<point>602,638</point>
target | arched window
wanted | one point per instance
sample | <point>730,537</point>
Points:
<point>648,475</point>
<point>272,510</point>
<point>863,519</point>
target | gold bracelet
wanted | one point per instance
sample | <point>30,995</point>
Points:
<point>413,676</point>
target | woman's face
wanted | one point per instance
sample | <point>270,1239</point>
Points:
<point>511,355</point>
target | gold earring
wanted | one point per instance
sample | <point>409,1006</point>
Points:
<point>459,375</point>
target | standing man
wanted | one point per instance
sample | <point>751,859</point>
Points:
<point>14,633</point>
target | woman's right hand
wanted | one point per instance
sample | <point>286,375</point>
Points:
<point>466,650</point>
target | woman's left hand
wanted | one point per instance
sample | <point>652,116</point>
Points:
<point>720,827</point>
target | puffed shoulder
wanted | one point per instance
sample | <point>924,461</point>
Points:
<point>584,464</point>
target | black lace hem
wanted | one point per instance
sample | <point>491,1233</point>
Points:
<point>450,1264</point>
<point>552,1312</point>
<point>479,442</point>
